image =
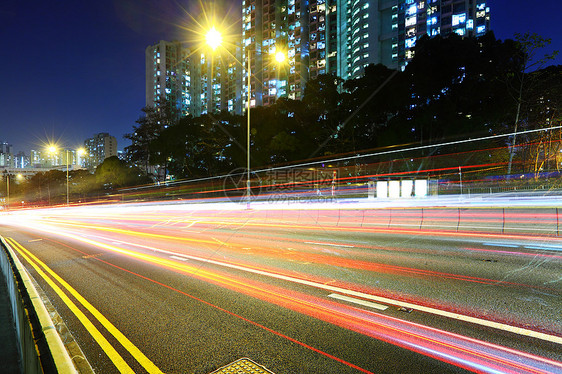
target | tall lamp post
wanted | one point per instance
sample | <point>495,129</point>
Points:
<point>80,151</point>
<point>213,39</point>
<point>7,190</point>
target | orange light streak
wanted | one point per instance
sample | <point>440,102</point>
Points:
<point>455,349</point>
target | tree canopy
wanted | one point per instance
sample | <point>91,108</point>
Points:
<point>454,87</point>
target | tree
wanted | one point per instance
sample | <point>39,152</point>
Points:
<point>114,173</point>
<point>372,102</point>
<point>49,186</point>
<point>82,183</point>
<point>324,112</point>
<point>203,146</point>
<point>542,109</point>
<point>154,120</point>
<point>529,44</point>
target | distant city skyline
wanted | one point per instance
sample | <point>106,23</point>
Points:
<point>77,69</point>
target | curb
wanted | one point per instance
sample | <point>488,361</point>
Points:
<point>41,348</point>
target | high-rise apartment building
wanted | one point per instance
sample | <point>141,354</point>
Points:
<point>6,155</point>
<point>98,148</point>
<point>215,81</point>
<point>168,77</point>
<point>21,160</point>
<point>411,19</point>
<point>46,159</point>
<point>193,83</point>
<point>340,37</point>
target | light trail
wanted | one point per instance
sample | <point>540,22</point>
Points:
<point>458,350</point>
<point>122,232</point>
<point>315,258</point>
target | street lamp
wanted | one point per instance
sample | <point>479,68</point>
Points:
<point>213,38</point>
<point>279,57</point>
<point>7,190</point>
<point>80,151</point>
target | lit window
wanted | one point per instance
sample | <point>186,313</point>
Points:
<point>459,18</point>
<point>411,21</point>
<point>410,43</point>
<point>412,9</point>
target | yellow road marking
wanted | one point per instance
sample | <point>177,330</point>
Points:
<point>104,344</point>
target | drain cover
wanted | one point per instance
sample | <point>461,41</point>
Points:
<point>242,366</point>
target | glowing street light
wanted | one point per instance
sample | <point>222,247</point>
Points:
<point>80,151</point>
<point>213,38</point>
<point>279,57</point>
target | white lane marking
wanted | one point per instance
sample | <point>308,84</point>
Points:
<point>501,245</point>
<point>179,258</point>
<point>358,301</point>
<point>384,300</point>
<point>333,245</point>
<point>544,247</point>
<point>34,240</point>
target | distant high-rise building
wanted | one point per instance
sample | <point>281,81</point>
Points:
<point>340,37</point>
<point>36,158</point>
<point>21,160</point>
<point>98,148</point>
<point>6,155</point>
<point>215,82</point>
<point>411,19</point>
<point>168,77</point>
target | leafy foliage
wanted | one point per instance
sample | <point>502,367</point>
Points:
<point>453,88</point>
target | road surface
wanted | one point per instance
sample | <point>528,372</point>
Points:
<point>177,289</point>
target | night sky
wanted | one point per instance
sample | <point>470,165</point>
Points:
<point>70,69</point>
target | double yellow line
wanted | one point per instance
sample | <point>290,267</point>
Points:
<point>50,276</point>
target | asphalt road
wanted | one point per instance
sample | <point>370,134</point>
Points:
<point>160,288</point>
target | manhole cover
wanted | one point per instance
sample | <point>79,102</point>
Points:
<point>242,366</point>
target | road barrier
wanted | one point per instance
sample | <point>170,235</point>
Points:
<point>40,347</point>
<point>544,221</point>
